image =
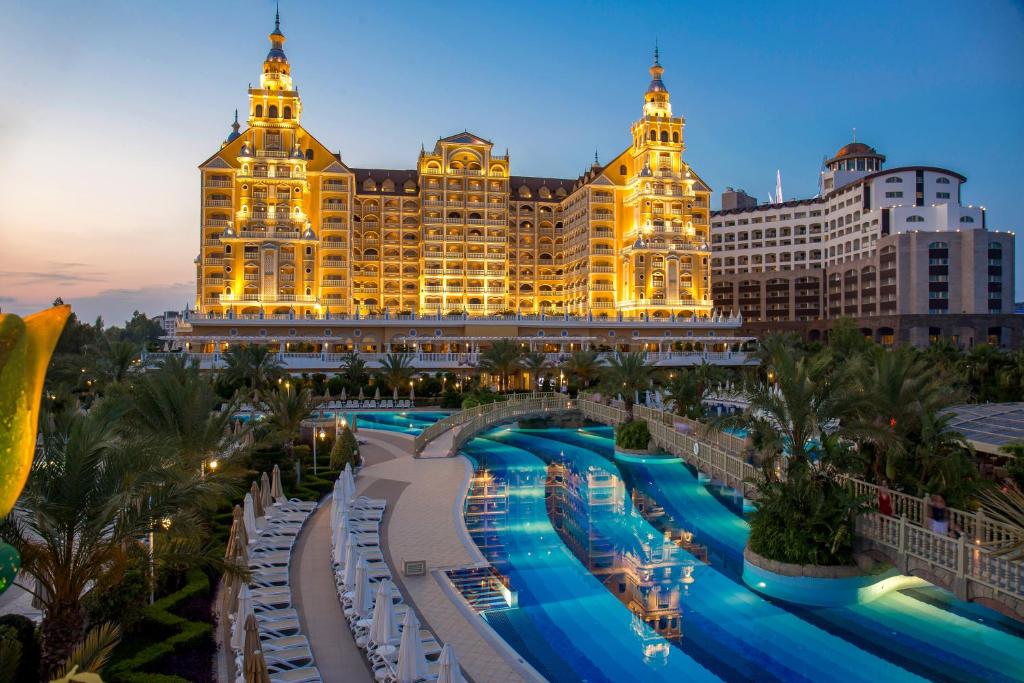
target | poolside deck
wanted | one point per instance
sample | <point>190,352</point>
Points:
<point>421,523</point>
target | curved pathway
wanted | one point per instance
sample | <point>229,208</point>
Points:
<point>422,521</point>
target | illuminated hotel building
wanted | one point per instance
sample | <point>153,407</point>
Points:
<point>298,248</point>
<point>892,248</point>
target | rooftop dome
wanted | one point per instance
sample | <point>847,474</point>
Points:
<point>856,149</point>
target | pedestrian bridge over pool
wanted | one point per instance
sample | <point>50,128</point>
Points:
<point>969,565</point>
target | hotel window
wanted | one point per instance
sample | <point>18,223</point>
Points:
<point>894,179</point>
<point>942,195</point>
<point>893,195</point>
<point>915,219</point>
<point>942,181</point>
<point>966,219</point>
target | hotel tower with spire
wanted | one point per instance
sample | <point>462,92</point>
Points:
<point>299,249</point>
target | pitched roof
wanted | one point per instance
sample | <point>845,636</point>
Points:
<point>465,137</point>
<point>397,176</point>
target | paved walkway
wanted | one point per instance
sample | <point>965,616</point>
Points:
<point>315,597</point>
<point>422,525</point>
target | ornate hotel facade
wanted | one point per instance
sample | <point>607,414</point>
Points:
<point>301,249</point>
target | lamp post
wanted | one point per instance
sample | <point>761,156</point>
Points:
<point>166,524</point>
<point>317,436</point>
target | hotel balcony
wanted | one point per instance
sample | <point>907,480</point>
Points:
<point>271,154</point>
<point>331,186</point>
<point>211,182</point>
<point>267,298</point>
<point>218,202</point>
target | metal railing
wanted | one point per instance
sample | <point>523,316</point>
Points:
<point>465,416</point>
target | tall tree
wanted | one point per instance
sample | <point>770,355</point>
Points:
<point>91,497</point>
<point>627,374</point>
<point>396,370</point>
<point>501,359</point>
<point>583,367</point>
<point>353,370</point>
<point>287,407</point>
<point>255,368</point>
<point>534,362</point>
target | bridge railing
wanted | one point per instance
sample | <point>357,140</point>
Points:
<point>966,559</point>
<point>461,417</point>
<point>970,557</point>
<point>499,412</point>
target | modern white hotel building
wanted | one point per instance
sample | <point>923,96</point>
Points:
<point>894,248</point>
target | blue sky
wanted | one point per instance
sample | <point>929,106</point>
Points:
<point>117,102</point>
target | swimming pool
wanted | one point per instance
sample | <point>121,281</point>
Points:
<point>406,421</point>
<point>603,596</point>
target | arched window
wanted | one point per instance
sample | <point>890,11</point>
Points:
<point>938,245</point>
<point>622,169</point>
<point>259,110</point>
<point>675,137</point>
<point>309,154</point>
<point>995,245</point>
<point>966,219</point>
<point>894,179</point>
<point>287,112</point>
<point>915,219</point>
<point>654,136</point>
<point>664,136</point>
<point>272,111</point>
<point>942,181</point>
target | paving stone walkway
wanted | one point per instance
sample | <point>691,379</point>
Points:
<point>420,523</point>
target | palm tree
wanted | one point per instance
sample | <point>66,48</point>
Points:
<point>92,495</point>
<point>805,399</point>
<point>178,405</point>
<point>115,359</point>
<point>583,367</point>
<point>501,359</point>
<point>534,362</point>
<point>353,369</point>
<point>627,374</point>
<point>901,388</point>
<point>254,367</point>
<point>286,409</point>
<point>396,370</point>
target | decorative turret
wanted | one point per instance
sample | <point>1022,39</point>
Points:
<point>276,61</point>
<point>234,129</point>
<point>656,100</point>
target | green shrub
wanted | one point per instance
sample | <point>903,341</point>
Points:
<point>633,435</point>
<point>806,519</point>
<point>121,603</point>
<point>24,631</point>
<point>345,450</point>
<point>158,621</point>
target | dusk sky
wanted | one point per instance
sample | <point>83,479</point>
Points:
<point>112,105</point>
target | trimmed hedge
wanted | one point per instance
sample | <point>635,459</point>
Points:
<point>158,618</point>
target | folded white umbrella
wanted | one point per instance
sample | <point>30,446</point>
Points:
<point>412,663</point>
<point>351,556</point>
<point>350,486</point>
<point>364,594</point>
<point>241,614</point>
<point>266,500</point>
<point>448,670</point>
<point>335,501</point>
<point>340,542</point>
<point>249,517</point>
<point>276,492</point>
<point>383,629</point>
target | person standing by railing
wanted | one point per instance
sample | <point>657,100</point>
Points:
<point>938,518</point>
<point>884,499</point>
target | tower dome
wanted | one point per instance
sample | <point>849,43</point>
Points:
<point>856,156</point>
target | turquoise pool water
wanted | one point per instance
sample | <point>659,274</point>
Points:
<point>406,422</point>
<point>603,597</point>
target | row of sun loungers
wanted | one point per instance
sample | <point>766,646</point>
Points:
<point>384,627</point>
<point>367,404</point>
<point>265,631</point>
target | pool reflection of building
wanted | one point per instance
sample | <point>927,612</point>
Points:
<point>487,513</point>
<point>648,574</point>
